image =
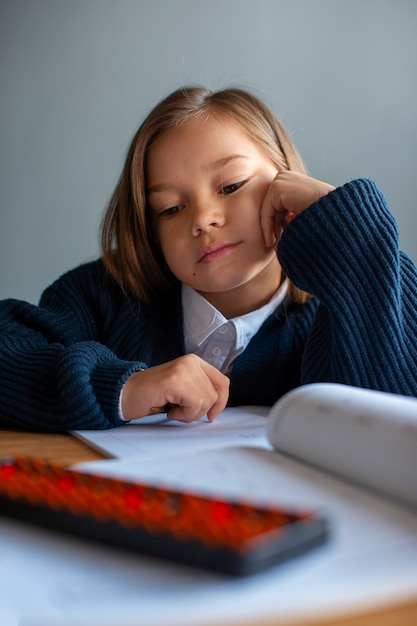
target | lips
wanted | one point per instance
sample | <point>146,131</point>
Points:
<point>215,251</point>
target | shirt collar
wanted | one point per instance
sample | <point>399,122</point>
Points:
<point>201,318</point>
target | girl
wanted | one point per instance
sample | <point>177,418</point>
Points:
<point>227,276</point>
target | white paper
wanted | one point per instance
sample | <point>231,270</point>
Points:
<point>156,435</point>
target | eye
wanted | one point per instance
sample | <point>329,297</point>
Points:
<point>173,210</point>
<point>228,189</point>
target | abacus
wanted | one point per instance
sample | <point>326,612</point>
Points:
<point>233,537</point>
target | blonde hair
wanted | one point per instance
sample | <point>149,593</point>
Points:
<point>129,247</point>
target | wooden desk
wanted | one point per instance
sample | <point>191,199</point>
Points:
<point>62,448</point>
<point>67,449</point>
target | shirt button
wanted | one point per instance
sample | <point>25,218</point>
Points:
<point>224,329</point>
<point>216,351</point>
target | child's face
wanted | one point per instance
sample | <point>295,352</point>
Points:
<point>206,181</point>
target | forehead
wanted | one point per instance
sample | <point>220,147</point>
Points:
<point>211,135</point>
<point>205,139</point>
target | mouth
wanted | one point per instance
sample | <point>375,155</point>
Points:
<point>215,251</point>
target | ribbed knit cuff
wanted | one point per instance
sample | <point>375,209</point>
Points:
<point>107,380</point>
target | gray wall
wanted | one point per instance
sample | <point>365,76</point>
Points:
<point>77,76</point>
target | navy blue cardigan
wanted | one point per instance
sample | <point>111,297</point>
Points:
<point>63,363</point>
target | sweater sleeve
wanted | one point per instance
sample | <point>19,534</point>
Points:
<point>344,251</point>
<point>55,374</point>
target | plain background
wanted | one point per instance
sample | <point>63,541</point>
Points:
<point>78,76</point>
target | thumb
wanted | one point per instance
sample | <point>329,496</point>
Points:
<point>273,215</point>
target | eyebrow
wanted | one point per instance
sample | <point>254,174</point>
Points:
<point>213,166</point>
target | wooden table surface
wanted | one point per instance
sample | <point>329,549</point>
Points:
<point>67,449</point>
<point>63,448</point>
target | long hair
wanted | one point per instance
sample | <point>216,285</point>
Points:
<point>129,247</point>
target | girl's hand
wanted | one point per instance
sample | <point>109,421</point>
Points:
<point>288,195</point>
<point>196,387</point>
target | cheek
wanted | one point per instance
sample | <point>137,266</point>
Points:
<point>171,247</point>
<point>164,238</point>
<point>256,198</point>
<point>167,251</point>
<point>249,216</point>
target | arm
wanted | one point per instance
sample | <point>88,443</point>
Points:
<point>343,249</point>
<point>64,364</point>
<point>54,373</point>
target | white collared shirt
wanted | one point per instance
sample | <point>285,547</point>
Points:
<point>214,338</point>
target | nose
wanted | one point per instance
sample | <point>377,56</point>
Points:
<point>207,214</point>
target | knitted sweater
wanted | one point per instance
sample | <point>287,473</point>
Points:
<point>63,363</point>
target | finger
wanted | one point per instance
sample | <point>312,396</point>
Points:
<point>272,214</point>
<point>268,229</point>
<point>196,406</point>
<point>190,413</point>
<point>211,403</point>
<point>267,215</point>
<point>220,384</point>
<point>221,402</point>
